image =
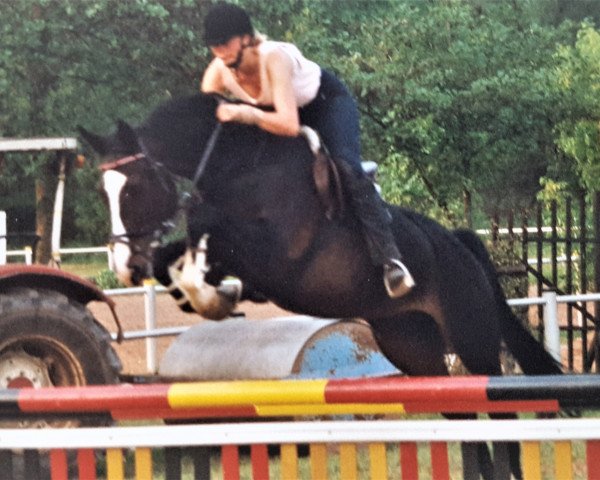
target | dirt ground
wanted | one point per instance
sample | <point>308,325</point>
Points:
<point>130,310</point>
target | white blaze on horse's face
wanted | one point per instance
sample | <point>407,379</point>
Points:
<point>113,185</point>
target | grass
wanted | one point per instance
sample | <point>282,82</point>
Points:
<point>86,269</point>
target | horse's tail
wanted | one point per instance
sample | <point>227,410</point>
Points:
<point>531,355</point>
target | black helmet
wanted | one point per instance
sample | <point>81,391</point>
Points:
<point>225,21</point>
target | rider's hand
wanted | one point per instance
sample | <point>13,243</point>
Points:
<point>239,113</point>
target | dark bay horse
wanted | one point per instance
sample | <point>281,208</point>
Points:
<point>256,198</point>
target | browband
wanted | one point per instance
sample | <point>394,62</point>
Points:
<point>121,161</point>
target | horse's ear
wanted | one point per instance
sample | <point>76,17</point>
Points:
<point>126,137</point>
<point>97,142</point>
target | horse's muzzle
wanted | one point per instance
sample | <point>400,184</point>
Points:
<point>140,269</point>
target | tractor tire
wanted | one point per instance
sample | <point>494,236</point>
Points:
<point>49,340</point>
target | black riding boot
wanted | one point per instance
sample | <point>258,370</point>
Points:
<point>375,222</point>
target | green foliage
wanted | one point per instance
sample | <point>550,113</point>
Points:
<point>578,77</point>
<point>89,62</point>
<point>456,96</point>
<point>107,280</point>
<point>552,190</point>
<point>459,98</point>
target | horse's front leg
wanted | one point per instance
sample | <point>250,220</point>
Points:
<point>183,270</point>
<point>203,218</point>
<point>164,257</point>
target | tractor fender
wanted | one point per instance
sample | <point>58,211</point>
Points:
<point>74,287</point>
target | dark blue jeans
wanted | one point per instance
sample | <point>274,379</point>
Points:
<point>334,114</point>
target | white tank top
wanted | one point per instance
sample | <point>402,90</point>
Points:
<point>306,76</point>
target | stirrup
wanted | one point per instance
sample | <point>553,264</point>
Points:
<point>397,283</point>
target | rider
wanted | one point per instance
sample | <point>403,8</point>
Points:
<point>267,73</point>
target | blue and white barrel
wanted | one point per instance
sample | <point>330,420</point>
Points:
<point>283,347</point>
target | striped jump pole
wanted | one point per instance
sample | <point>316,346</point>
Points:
<point>267,398</point>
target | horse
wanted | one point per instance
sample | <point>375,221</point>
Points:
<point>256,207</point>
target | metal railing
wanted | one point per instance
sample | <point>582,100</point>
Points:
<point>27,253</point>
<point>549,301</point>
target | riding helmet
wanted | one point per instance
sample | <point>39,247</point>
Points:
<point>225,21</point>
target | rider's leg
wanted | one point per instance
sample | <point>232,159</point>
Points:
<point>335,116</point>
<point>375,221</point>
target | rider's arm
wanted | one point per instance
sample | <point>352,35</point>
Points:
<point>212,80</point>
<point>284,119</point>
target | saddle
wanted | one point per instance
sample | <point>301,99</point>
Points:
<point>326,175</point>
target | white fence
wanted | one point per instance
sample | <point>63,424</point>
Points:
<point>27,253</point>
<point>303,432</point>
<point>549,301</point>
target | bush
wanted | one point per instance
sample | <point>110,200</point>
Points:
<point>107,280</point>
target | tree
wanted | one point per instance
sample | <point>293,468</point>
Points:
<point>71,62</point>
<point>578,79</point>
<point>459,96</point>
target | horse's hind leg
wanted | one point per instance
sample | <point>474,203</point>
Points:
<point>507,455</point>
<point>486,361</point>
<point>413,343</point>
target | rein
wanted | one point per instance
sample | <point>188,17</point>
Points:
<point>208,150</point>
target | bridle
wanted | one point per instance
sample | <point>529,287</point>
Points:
<point>155,235</point>
<point>120,162</point>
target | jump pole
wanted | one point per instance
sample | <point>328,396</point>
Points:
<point>262,398</point>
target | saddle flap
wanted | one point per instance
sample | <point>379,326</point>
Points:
<point>326,176</point>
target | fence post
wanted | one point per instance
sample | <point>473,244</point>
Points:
<point>150,318</point>
<point>2,238</point>
<point>551,328</point>
<point>109,257</point>
<point>28,253</point>
<point>58,212</point>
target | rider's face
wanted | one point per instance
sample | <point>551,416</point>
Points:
<point>230,52</point>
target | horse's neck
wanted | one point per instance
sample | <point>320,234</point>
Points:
<point>241,149</point>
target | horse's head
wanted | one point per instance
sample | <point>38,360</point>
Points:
<point>142,198</point>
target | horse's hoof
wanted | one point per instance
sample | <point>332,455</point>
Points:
<point>397,279</point>
<point>230,290</point>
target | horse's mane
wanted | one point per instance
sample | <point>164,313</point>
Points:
<point>178,130</point>
<point>180,126</point>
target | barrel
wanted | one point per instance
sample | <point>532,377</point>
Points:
<point>282,347</point>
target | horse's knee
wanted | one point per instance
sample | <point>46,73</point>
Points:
<point>214,303</point>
